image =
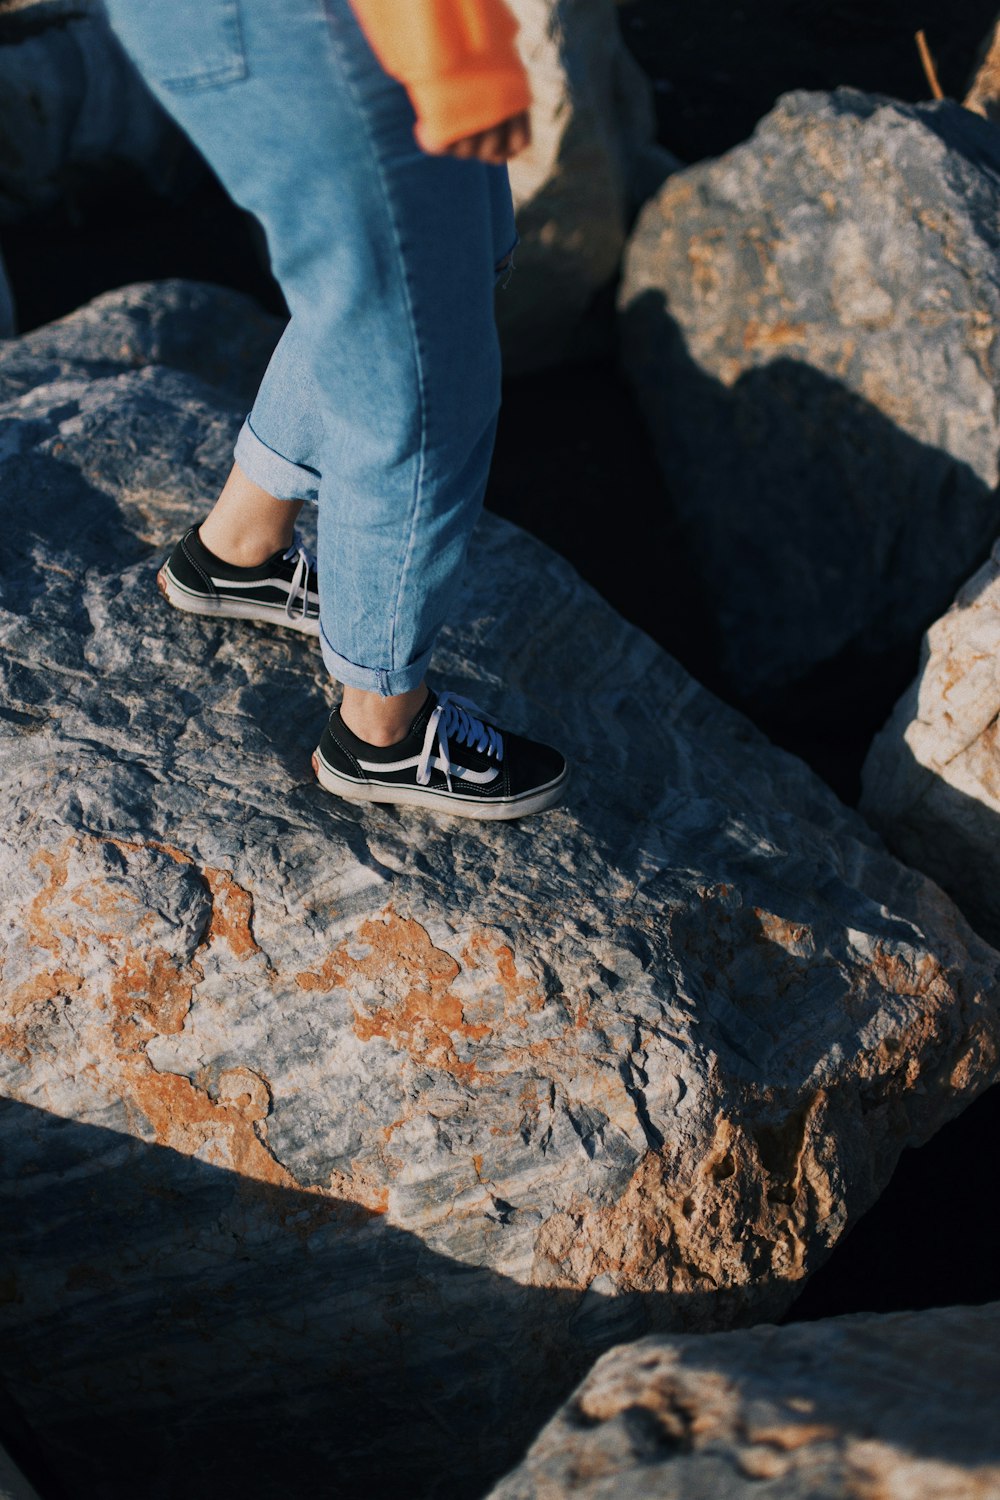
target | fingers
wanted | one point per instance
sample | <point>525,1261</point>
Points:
<point>498,144</point>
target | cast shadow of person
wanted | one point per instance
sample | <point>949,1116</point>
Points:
<point>171,1327</point>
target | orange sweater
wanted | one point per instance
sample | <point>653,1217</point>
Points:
<point>456,59</point>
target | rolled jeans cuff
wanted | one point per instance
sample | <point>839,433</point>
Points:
<point>272,471</point>
<point>387,683</point>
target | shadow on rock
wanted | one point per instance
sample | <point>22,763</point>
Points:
<point>807,517</point>
<point>276,1318</point>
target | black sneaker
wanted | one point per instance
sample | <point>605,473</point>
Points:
<point>454,760</point>
<point>281,591</point>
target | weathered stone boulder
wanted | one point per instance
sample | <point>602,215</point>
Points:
<point>932,776</point>
<point>73,110</point>
<point>899,1406</point>
<point>218,335</point>
<point>809,323</point>
<point>592,161</point>
<point>343,1140</point>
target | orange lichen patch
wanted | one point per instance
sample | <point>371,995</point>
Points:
<point>425,1026</point>
<point>701,254</point>
<point>40,927</point>
<point>901,975</point>
<point>672,1233</point>
<point>232,914</point>
<point>520,994</point>
<point>790,1435</point>
<point>246,1090</point>
<point>794,937</point>
<point>152,985</point>
<point>187,1119</point>
<point>132,846</point>
<point>12,1042</point>
<point>772,336</point>
<point>421,1014</point>
<point>41,988</point>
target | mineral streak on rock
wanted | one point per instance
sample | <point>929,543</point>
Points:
<point>858,1408</point>
<point>810,325</point>
<point>339,1130</point>
<point>931,780</point>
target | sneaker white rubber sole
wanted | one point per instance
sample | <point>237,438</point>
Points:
<point>496,810</point>
<point>230,609</point>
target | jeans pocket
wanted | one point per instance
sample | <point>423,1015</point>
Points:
<point>193,45</point>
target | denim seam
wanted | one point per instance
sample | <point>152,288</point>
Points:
<point>417,493</point>
<point>282,457</point>
<point>374,679</point>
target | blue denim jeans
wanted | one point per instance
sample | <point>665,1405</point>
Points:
<point>381,399</point>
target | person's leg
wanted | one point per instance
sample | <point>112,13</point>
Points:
<point>386,258</point>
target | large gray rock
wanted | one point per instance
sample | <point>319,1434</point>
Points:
<point>932,776</point>
<point>591,162</point>
<point>344,1136</point>
<point>73,110</point>
<point>903,1406</point>
<point>809,324</point>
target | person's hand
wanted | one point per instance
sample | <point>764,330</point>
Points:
<point>496,145</point>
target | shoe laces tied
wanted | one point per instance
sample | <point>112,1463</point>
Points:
<point>305,564</point>
<point>458,719</point>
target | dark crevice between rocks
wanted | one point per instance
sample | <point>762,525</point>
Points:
<point>717,71</point>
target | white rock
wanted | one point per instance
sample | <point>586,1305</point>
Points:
<point>932,777</point>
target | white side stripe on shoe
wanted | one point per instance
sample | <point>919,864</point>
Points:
<point>261,583</point>
<point>462,773</point>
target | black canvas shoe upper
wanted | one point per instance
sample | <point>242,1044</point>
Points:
<point>285,584</point>
<point>461,753</point>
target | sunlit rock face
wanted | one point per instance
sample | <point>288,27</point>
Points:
<point>931,780</point>
<point>838,1410</point>
<point>345,1138</point>
<point>809,324</point>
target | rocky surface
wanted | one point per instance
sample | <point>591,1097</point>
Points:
<point>345,1137</point>
<point>894,1407</point>
<point>591,162</point>
<point>809,323</point>
<point>73,111</point>
<point>932,776</point>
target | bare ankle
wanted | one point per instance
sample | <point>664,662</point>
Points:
<point>242,549</point>
<point>381,721</point>
<point>247,525</point>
